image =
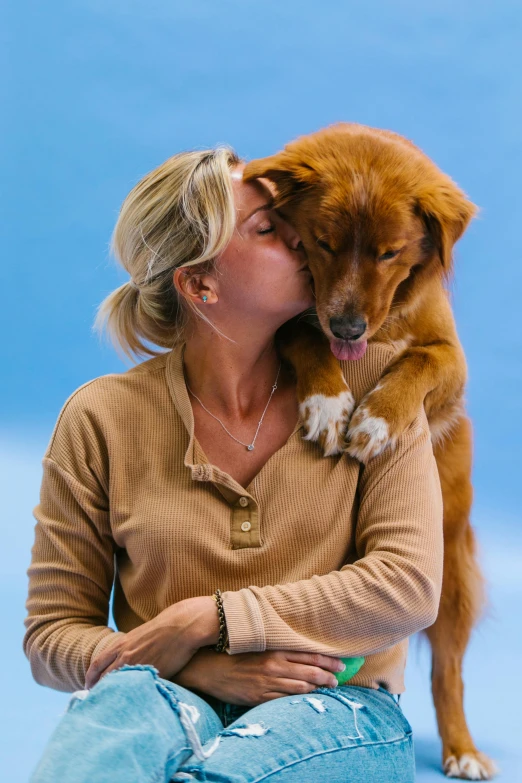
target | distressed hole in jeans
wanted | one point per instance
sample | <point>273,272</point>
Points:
<point>75,698</point>
<point>250,730</point>
<point>319,706</point>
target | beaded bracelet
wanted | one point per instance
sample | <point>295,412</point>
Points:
<point>223,633</point>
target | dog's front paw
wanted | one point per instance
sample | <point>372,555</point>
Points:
<point>326,420</point>
<point>378,421</point>
<point>367,435</point>
<point>470,766</point>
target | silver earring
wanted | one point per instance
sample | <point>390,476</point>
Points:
<point>204,298</point>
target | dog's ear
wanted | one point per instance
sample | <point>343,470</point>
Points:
<point>289,174</point>
<point>446,212</point>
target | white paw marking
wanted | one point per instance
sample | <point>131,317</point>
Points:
<point>328,415</point>
<point>375,432</point>
<point>468,767</point>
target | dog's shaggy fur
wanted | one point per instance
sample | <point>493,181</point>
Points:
<point>379,220</point>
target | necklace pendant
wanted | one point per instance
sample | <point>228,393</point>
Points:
<point>250,448</point>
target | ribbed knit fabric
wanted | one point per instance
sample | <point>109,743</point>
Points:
<point>337,558</point>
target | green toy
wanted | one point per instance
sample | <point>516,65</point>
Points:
<point>352,667</point>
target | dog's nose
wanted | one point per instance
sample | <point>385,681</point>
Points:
<point>347,327</point>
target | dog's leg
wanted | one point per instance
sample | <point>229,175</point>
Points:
<point>462,600</point>
<point>325,401</point>
<point>437,370</point>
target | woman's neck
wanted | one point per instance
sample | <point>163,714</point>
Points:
<point>232,379</point>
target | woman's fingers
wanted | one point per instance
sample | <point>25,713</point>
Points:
<point>99,665</point>
<point>314,675</point>
<point>116,665</point>
<point>289,687</point>
<point>315,659</point>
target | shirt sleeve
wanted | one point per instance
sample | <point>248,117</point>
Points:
<point>72,561</point>
<point>390,592</point>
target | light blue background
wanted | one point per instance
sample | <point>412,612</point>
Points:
<point>99,93</point>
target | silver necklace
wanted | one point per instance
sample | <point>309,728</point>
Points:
<point>249,446</point>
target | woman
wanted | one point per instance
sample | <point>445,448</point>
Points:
<point>190,473</point>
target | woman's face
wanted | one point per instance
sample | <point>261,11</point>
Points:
<point>261,277</point>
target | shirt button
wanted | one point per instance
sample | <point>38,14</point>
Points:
<point>243,502</point>
<point>246,525</point>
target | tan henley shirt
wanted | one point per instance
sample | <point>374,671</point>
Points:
<point>318,554</point>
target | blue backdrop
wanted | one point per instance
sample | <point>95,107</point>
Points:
<point>99,93</point>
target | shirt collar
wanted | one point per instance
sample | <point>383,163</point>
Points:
<point>201,471</point>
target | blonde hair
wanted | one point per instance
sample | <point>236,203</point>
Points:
<point>180,214</point>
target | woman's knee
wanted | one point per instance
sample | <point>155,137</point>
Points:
<point>301,738</point>
<point>135,693</point>
<point>128,684</point>
<point>135,683</point>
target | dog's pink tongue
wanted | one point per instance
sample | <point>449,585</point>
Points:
<point>344,349</point>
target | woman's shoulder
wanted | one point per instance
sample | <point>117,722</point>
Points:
<point>102,402</point>
<point>108,388</point>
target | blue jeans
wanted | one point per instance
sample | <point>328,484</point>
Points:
<point>134,726</point>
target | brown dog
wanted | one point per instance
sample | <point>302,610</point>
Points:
<point>379,220</point>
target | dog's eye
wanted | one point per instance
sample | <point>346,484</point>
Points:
<point>324,245</point>
<point>389,254</point>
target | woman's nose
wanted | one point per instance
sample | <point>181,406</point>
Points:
<point>292,238</point>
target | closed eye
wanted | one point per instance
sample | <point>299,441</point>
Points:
<point>390,254</point>
<point>267,230</point>
<point>324,245</point>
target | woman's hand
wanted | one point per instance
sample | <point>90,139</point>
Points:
<point>167,642</point>
<point>252,678</point>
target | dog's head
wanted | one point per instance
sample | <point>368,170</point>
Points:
<point>377,218</point>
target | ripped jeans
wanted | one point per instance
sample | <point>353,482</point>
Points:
<point>134,726</point>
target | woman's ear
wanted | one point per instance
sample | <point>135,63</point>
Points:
<point>446,212</point>
<point>289,174</point>
<point>194,286</point>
